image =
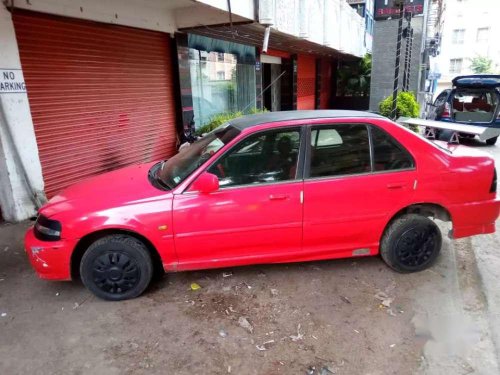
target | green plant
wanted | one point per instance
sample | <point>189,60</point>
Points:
<point>406,106</point>
<point>222,118</point>
<point>354,79</point>
<point>481,64</point>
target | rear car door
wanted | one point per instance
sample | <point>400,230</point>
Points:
<point>356,175</point>
<point>255,216</point>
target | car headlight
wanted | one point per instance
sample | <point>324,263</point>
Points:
<point>47,229</point>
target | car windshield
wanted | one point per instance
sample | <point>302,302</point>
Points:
<point>178,168</point>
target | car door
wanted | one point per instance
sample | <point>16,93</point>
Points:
<point>356,176</point>
<point>255,216</point>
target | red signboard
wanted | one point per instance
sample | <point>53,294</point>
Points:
<point>386,8</point>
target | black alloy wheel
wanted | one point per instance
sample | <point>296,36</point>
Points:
<point>411,243</point>
<point>116,267</point>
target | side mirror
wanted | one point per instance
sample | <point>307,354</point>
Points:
<point>205,183</point>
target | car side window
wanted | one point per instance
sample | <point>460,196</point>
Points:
<point>388,154</point>
<point>441,99</point>
<point>339,150</point>
<point>265,157</point>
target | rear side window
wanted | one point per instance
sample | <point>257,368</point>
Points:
<point>388,154</point>
<point>342,149</point>
<point>441,99</point>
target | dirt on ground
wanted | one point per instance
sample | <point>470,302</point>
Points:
<point>352,316</point>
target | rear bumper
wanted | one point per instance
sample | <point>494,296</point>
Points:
<point>474,218</point>
<point>51,260</point>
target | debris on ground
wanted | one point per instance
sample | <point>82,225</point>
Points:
<point>227,274</point>
<point>392,345</point>
<point>195,286</point>
<point>390,312</point>
<point>3,315</point>
<point>325,370</point>
<point>274,292</point>
<point>245,324</point>
<point>263,346</point>
<point>222,333</point>
<point>345,299</point>
<point>384,299</point>
<point>76,305</point>
<point>6,248</point>
<point>57,294</point>
<point>299,335</point>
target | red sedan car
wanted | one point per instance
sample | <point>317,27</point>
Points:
<point>269,188</point>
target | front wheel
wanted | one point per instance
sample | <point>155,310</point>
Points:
<point>411,243</point>
<point>491,141</point>
<point>116,267</point>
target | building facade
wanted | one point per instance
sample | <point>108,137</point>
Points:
<point>93,86</point>
<point>384,50</point>
<point>365,9</point>
<point>470,30</point>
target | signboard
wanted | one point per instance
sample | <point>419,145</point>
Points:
<point>12,81</point>
<point>385,8</point>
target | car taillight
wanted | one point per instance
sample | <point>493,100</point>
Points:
<point>446,110</point>
<point>493,187</point>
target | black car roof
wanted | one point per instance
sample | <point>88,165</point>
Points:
<point>267,117</point>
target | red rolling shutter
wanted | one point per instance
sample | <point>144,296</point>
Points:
<point>306,78</point>
<point>101,95</point>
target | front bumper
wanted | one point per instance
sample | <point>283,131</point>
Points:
<point>474,218</point>
<point>51,260</point>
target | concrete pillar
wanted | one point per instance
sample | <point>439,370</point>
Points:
<point>21,181</point>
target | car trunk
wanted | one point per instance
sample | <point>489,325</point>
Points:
<point>474,105</point>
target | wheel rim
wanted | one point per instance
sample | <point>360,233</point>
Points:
<point>416,246</point>
<point>115,272</point>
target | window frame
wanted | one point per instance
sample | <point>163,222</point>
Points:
<point>456,61</point>
<point>458,36</point>
<point>369,127</point>
<point>299,176</point>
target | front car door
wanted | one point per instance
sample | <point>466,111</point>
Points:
<point>256,215</point>
<point>356,176</point>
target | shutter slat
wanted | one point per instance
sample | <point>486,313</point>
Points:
<point>101,96</point>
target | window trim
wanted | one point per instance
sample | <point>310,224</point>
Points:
<point>299,175</point>
<point>369,126</point>
<point>404,149</point>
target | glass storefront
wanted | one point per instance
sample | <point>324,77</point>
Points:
<point>222,77</point>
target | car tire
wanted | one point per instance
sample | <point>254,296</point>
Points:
<point>491,141</point>
<point>116,267</point>
<point>411,243</point>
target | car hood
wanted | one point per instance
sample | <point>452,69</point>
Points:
<point>121,187</point>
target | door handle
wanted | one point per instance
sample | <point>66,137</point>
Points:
<point>396,185</point>
<point>278,197</point>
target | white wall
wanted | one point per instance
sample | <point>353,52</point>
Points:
<point>332,23</point>
<point>469,15</point>
<point>14,196</point>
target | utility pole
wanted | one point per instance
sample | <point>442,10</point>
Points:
<point>408,35</point>
<point>401,4</point>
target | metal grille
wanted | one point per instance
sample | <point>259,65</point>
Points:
<point>101,95</point>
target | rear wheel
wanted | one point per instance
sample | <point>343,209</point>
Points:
<point>491,141</point>
<point>411,243</point>
<point>116,267</point>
